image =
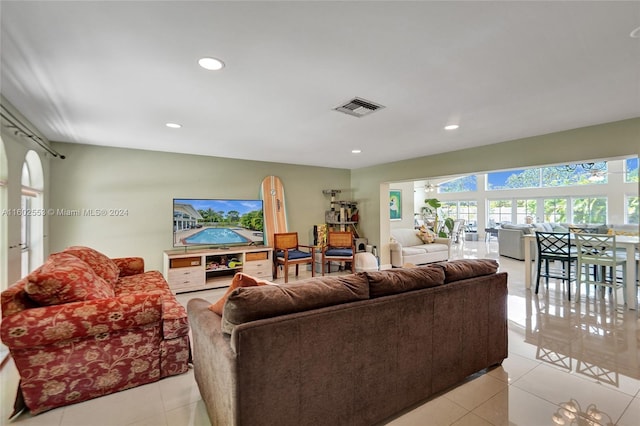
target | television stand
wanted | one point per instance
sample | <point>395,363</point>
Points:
<point>203,269</point>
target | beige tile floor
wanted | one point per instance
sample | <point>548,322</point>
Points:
<point>560,353</point>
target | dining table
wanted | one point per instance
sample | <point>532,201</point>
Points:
<point>629,242</point>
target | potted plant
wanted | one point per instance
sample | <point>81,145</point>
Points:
<point>430,210</point>
<point>448,223</point>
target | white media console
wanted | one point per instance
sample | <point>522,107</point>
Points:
<point>200,269</point>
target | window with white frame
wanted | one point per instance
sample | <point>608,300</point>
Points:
<point>633,211</point>
<point>589,210</point>
<point>462,209</point>
<point>499,211</point>
<point>462,184</point>
<point>631,170</point>
<point>32,225</point>
<point>526,209</point>
<point>549,177</point>
<point>556,210</point>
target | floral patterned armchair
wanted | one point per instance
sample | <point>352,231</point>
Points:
<point>83,325</point>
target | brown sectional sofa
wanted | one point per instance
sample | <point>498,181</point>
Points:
<point>348,350</point>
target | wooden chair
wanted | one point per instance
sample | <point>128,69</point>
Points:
<point>287,252</point>
<point>340,247</point>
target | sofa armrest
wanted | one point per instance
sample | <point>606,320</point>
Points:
<point>214,362</point>
<point>443,240</point>
<point>511,243</point>
<point>396,254</point>
<point>446,241</point>
<point>50,324</point>
<point>129,265</point>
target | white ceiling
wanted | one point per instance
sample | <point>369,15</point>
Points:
<point>113,73</point>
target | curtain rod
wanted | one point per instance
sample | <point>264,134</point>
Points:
<point>20,129</point>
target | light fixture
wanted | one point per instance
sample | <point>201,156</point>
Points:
<point>600,166</point>
<point>211,64</point>
<point>429,187</point>
<point>596,176</point>
<point>173,125</point>
<point>571,413</point>
<point>451,127</point>
<point>356,151</point>
<point>635,33</point>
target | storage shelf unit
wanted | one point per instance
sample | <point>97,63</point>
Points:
<point>343,215</point>
<point>203,269</point>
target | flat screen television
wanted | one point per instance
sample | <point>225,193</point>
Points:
<point>217,222</point>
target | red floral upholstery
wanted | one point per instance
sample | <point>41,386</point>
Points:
<point>101,264</point>
<point>129,265</point>
<point>71,352</point>
<point>175,321</point>
<point>64,278</point>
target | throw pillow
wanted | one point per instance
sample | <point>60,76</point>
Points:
<point>254,303</point>
<point>101,264</point>
<point>239,280</point>
<point>426,235</point>
<point>64,278</point>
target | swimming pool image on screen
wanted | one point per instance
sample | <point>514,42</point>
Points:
<point>217,222</point>
<point>216,236</point>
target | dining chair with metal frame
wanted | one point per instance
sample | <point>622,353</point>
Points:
<point>555,247</point>
<point>600,251</point>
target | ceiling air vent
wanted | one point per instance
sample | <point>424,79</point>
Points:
<point>359,107</point>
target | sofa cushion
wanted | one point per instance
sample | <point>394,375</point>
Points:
<point>413,250</point>
<point>406,237</point>
<point>294,254</point>
<point>526,229</point>
<point>435,247</point>
<point>101,264</point>
<point>239,280</point>
<point>340,252</point>
<point>64,278</point>
<point>174,315</point>
<point>247,304</point>
<point>461,269</point>
<point>394,281</point>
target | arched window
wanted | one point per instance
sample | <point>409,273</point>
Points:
<point>32,222</point>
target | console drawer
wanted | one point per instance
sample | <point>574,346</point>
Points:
<point>186,277</point>
<point>259,255</point>
<point>185,262</point>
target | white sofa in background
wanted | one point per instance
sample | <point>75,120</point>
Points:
<point>406,247</point>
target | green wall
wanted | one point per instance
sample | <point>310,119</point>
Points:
<point>144,183</point>
<point>621,138</point>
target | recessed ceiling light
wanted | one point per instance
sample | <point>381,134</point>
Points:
<point>451,127</point>
<point>356,151</point>
<point>173,125</point>
<point>211,64</point>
